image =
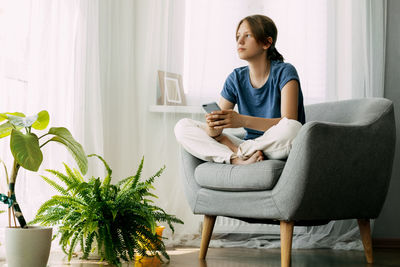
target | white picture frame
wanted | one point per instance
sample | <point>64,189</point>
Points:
<point>171,89</point>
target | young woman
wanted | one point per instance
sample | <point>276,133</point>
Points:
<point>269,99</point>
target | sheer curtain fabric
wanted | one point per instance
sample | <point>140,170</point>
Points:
<point>93,65</point>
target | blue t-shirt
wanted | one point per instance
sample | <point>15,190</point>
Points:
<point>264,102</point>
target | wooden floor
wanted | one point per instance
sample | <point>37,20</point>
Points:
<point>243,257</point>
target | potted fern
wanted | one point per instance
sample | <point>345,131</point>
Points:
<point>26,148</point>
<point>118,220</point>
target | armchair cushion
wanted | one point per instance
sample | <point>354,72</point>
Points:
<point>226,177</point>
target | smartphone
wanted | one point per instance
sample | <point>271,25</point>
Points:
<point>210,107</point>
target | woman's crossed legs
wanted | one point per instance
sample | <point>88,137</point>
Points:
<point>275,143</point>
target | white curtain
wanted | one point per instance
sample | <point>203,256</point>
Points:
<point>52,49</point>
<point>210,44</point>
<point>120,96</point>
<point>93,65</point>
<point>356,55</point>
<point>337,48</point>
<point>158,26</point>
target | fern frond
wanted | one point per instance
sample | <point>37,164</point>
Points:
<point>48,220</point>
<point>71,174</point>
<point>64,178</point>
<point>64,249</point>
<point>72,217</point>
<point>56,186</point>
<point>64,240</point>
<point>127,180</point>
<point>46,205</point>
<point>150,180</point>
<point>83,191</point>
<point>81,243</point>
<point>73,244</point>
<point>78,175</point>
<point>129,242</point>
<point>68,200</point>
<point>88,245</point>
<point>100,241</point>
<point>138,173</point>
<point>91,224</point>
<point>106,180</point>
<point>147,194</point>
<point>108,245</point>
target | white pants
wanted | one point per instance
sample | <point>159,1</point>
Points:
<point>275,143</point>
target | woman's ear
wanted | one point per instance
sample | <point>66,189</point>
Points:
<point>268,43</point>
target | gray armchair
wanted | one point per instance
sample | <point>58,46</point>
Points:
<point>339,168</point>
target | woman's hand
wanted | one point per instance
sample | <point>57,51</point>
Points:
<point>222,119</point>
<point>213,132</point>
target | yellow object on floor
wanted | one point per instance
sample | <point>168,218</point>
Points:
<point>147,261</point>
<point>159,230</point>
<point>150,261</point>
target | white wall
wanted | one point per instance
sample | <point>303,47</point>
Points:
<point>388,223</point>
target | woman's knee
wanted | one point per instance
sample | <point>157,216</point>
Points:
<point>292,125</point>
<point>286,130</point>
<point>185,127</point>
<point>183,123</point>
<point>180,127</point>
<point>289,128</point>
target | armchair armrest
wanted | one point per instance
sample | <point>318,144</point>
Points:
<point>338,171</point>
<point>189,164</point>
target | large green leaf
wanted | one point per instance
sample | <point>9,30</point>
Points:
<point>5,129</point>
<point>42,120</point>
<point>25,149</point>
<point>63,136</point>
<point>4,116</point>
<point>22,121</point>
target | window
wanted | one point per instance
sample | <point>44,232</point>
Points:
<point>14,35</point>
<point>210,48</point>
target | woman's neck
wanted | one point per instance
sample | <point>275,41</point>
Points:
<point>259,71</point>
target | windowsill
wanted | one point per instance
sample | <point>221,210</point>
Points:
<point>176,109</point>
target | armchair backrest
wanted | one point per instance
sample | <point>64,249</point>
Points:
<point>340,163</point>
<point>354,111</point>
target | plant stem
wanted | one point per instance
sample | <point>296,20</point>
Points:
<point>15,206</point>
<point>43,136</point>
<point>45,143</point>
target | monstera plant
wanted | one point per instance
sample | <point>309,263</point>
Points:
<point>26,148</point>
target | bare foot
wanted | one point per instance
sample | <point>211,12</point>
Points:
<point>257,156</point>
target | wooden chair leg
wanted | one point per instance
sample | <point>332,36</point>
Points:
<point>365,231</point>
<point>208,226</point>
<point>286,242</point>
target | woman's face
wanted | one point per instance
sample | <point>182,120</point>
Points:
<point>247,46</point>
